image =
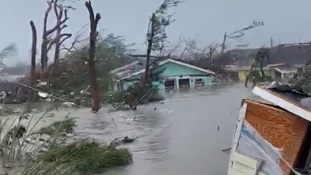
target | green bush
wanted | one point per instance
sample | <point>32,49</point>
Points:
<point>88,156</point>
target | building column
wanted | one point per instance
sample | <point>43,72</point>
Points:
<point>177,83</point>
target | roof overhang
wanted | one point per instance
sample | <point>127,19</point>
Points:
<point>176,62</point>
<point>284,102</point>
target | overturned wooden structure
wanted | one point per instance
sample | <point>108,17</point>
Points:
<point>273,137</point>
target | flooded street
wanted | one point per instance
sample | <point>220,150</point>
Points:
<point>180,137</point>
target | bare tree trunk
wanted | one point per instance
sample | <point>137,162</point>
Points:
<point>249,74</point>
<point>261,68</point>
<point>33,66</point>
<point>60,12</point>
<point>91,60</point>
<point>223,45</point>
<point>45,34</point>
<point>149,48</point>
<point>44,57</point>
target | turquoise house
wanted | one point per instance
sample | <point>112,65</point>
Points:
<point>177,75</point>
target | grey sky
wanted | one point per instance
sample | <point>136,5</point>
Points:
<point>286,20</point>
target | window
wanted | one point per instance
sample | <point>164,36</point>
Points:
<point>289,75</point>
<point>199,82</point>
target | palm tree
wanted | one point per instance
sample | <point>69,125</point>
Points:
<point>8,51</point>
<point>259,60</point>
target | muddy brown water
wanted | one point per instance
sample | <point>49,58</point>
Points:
<point>178,137</point>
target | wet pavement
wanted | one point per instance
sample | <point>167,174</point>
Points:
<point>179,137</point>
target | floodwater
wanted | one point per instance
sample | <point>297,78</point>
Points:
<point>180,137</point>
<point>177,137</point>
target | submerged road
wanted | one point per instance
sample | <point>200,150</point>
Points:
<point>179,137</point>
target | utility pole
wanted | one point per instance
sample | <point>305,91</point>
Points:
<point>223,45</point>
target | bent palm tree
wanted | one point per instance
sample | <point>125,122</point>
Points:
<point>8,51</point>
<point>259,60</point>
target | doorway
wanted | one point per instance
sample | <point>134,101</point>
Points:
<point>169,84</point>
<point>184,83</point>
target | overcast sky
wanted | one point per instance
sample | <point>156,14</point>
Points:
<point>285,20</point>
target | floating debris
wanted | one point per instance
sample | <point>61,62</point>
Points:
<point>43,94</point>
<point>68,104</point>
<point>42,84</point>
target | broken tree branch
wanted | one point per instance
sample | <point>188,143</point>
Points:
<point>77,39</point>
<point>65,36</point>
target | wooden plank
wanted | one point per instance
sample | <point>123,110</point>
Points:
<point>282,129</point>
<point>280,100</point>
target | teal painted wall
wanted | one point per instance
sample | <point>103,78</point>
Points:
<point>206,79</point>
<point>175,70</point>
<point>159,84</point>
<point>172,69</point>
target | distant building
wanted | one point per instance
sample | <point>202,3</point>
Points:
<point>282,63</point>
<point>278,72</point>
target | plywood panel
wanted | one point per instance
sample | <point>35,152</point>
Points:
<point>282,129</point>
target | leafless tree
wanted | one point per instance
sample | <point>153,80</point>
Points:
<point>47,40</point>
<point>190,47</point>
<point>91,60</point>
<point>60,38</point>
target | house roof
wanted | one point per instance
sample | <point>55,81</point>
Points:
<point>175,62</point>
<point>285,70</point>
<point>291,54</point>
<point>131,68</point>
<point>286,53</point>
<point>246,68</point>
<point>295,104</point>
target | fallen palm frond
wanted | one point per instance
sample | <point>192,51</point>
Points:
<point>46,151</point>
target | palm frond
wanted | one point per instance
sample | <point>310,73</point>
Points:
<point>8,51</point>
